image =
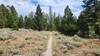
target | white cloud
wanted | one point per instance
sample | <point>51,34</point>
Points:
<point>22,6</point>
<point>25,6</point>
<point>58,6</point>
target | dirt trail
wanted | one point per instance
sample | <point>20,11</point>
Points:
<point>49,46</point>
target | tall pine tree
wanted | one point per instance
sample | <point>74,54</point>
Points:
<point>14,18</point>
<point>69,23</point>
<point>87,18</point>
<point>97,26</point>
<point>3,16</point>
<point>57,22</point>
<point>51,24</point>
<point>21,22</point>
<point>39,20</point>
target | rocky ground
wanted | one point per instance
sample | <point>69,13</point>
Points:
<point>34,43</point>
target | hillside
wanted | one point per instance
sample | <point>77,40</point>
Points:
<point>27,42</point>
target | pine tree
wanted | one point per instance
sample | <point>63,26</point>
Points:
<point>40,21</point>
<point>9,18</point>
<point>58,22</point>
<point>31,20</point>
<point>97,27</point>
<point>51,24</point>
<point>14,18</point>
<point>3,16</point>
<point>87,18</point>
<point>68,24</point>
<point>20,22</point>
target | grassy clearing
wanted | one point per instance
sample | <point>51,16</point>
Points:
<point>23,42</point>
<point>75,46</point>
<point>34,43</point>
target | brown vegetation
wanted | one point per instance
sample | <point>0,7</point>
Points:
<point>34,43</point>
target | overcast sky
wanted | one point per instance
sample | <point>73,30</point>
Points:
<point>25,6</point>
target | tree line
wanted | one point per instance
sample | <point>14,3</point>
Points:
<point>86,25</point>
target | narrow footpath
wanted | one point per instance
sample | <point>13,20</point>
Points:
<point>49,46</point>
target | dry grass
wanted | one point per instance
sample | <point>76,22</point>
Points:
<point>24,42</point>
<point>75,46</point>
<point>34,43</point>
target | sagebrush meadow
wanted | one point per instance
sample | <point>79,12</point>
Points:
<point>50,34</point>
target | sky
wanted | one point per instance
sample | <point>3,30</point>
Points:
<point>23,7</point>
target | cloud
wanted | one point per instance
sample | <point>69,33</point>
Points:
<point>25,6</point>
<point>22,6</point>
